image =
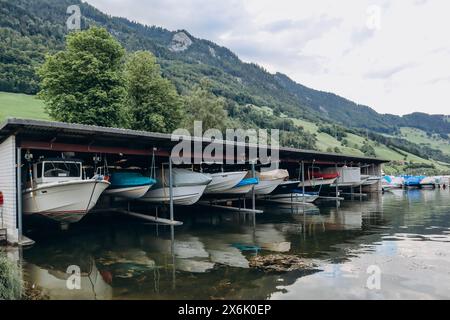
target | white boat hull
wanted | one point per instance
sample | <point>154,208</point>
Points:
<point>317,182</point>
<point>66,202</point>
<point>183,196</point>
<point>265,187</point>
<point>132,193</point>
<point>222,182</point>
<point>371,180</point>
<point>349,184</point>
<point>240,190</point>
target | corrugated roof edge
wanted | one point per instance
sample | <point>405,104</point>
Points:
<point>136,133</point>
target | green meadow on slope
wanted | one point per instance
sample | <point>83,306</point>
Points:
<point>325,142</point>
<point>21,106</point>
<point>421,137</point>
<point>28,106</point>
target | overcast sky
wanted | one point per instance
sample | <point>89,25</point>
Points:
<point>393,56</point>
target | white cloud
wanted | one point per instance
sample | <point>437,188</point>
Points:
<point>399,68</point>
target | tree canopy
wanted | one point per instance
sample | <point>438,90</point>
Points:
<point>152,100</point>
<point>84,83</point>
<point>203,105</point>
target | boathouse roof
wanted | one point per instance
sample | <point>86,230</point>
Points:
<point>64,137</point>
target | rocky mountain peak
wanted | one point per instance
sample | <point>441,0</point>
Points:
<point>180,42</point>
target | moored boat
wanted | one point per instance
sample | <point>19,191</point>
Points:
<point>129,185</point>
<point>349,177</point>
<point>286,187</point>
<point>413,181</point>
<point>391,182</point>
<point>187,187</point>
<point>370,180</point>
<point>224,181</point>
<point>316,181</point>
<point>59,192</point>
<point>270,180</point>
<point>243,187</point>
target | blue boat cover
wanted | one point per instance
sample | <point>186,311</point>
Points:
<point>247,181</point>
<point>413,180</point>
<point>130,179</point>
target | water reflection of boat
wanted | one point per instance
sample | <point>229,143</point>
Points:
<point>188,252</point>
<point>289,208</point>
<point>54,283</point>
<point>194,266</point>
<point>269,238</point>
<point>294,197</point>
<point>228,256</point>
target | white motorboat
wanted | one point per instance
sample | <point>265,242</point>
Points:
<point>370,180</point>
<point>270,180</point>
<point>187,187</point>
<point>429,182</point>
<point>129,185</point>
<point>223,181</point>
<point>349,177</point>
<point>58,191</point>
<point>391,182</point>
<point>243,187</point>
<point>317,182</point>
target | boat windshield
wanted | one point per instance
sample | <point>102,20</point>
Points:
<point>62,170</point>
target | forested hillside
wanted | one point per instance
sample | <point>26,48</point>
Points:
<point>30,29</point>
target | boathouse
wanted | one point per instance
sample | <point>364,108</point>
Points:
<point>19,137</point>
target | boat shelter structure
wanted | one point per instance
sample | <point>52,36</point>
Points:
<point>21,137</point>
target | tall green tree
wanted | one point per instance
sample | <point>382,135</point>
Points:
<point>152,100</point>
<point>84,83</point>
<point>203,105</point>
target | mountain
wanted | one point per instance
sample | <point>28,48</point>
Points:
<point>30,29</point>
<point>351,114</point>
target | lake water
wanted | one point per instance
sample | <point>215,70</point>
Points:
<point>391,246</point>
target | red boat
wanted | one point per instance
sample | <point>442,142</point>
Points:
<point>324,176</point>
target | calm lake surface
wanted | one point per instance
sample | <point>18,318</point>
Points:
<point>405,235</point>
